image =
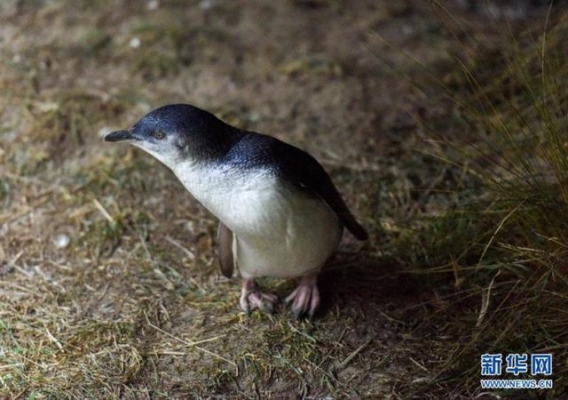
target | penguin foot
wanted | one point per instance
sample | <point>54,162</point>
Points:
<point>305,298</point>
<point>252,297</point>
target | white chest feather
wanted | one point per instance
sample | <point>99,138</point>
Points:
<point>280,232</point>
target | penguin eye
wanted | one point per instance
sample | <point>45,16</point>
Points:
<point>159,135</point>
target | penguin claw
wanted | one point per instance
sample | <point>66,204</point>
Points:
<point>252,297</point>
<point>305,299</point>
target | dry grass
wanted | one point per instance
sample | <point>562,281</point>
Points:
<point>108,281</point>
<point>507,241</point>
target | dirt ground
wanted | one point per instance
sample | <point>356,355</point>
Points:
<point>109,286</point>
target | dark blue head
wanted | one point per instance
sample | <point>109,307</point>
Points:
<point>179,132</point>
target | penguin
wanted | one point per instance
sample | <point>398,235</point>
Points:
<point>279,213</point>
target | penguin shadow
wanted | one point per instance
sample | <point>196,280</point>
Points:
<point>365,281</point>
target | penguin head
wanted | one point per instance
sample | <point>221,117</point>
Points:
<point>178,132</point>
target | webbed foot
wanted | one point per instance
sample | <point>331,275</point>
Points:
<point>252,297</point>
<point>305,298</point>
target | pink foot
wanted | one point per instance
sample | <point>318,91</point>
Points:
<point>252,297</point>
<point>305,298</point>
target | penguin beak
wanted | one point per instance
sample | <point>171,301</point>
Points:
<point>119,136</point>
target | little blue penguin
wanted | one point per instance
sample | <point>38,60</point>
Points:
<point>280,214</point>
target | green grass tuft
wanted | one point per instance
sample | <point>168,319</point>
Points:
<point>505,243</point>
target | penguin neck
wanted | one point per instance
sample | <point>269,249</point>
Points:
<point>204,163</point>
<point>212,148</point>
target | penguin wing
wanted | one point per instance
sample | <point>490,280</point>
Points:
<point>225,250</point>
<point>304,171</point>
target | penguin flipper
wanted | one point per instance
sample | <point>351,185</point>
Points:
<point>225,250</point>
<point>305,172</point>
